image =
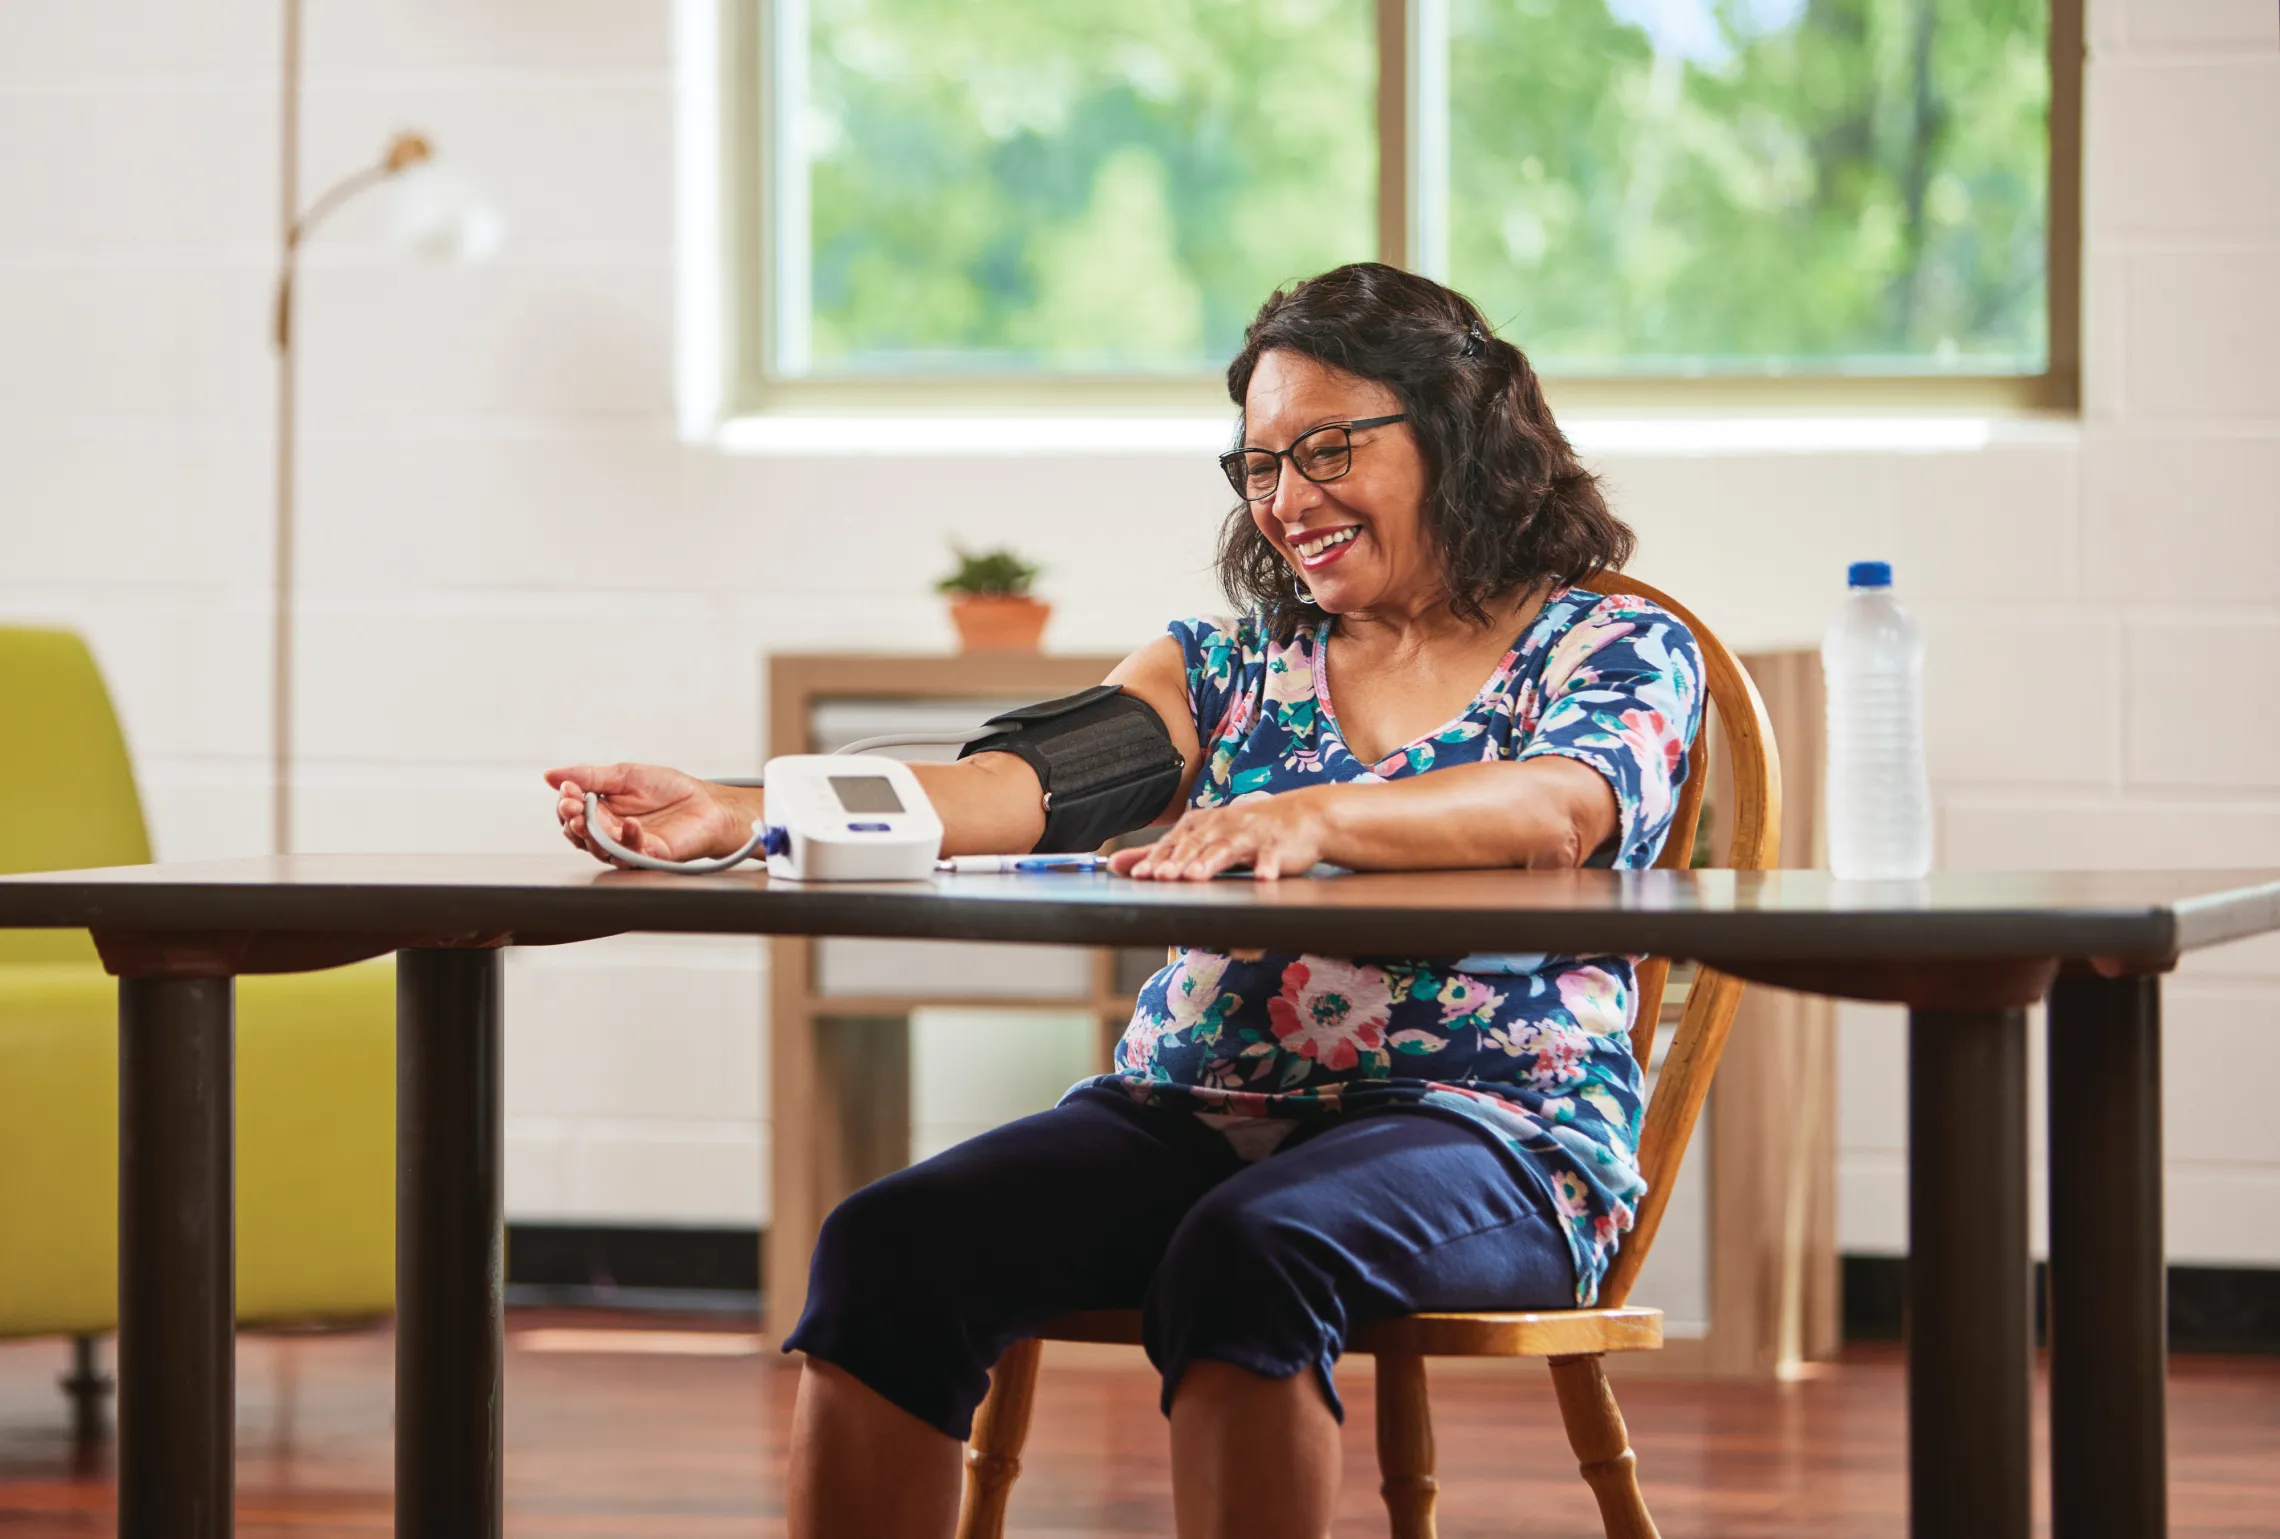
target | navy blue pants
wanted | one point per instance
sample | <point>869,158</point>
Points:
<point>923,1279</point>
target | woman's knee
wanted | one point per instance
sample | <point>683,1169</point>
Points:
<point>1247,1289</point>
<point>886,1306</point>
<point>868,1241</point>
<point>1238,1270</point>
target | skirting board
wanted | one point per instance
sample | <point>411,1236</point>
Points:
<point>2211,1308</point>
<point>670,1269</point>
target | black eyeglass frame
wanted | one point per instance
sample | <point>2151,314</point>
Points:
<point>1235,461</point>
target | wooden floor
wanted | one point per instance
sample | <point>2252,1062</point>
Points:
<point>690,1443</point>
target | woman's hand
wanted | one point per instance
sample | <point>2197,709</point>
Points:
<point>649,809</point>
<point>1273,835</point>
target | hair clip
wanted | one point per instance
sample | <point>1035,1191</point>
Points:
<point>1474,341</point>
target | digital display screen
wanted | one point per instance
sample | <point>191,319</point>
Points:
<point>866,793</point>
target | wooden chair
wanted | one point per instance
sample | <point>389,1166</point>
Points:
<point>1572,1341</point>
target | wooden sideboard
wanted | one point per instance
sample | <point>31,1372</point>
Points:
<point>1755,1293</point>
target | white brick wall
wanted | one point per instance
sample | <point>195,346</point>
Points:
<point>2151,740</point>
<point>510,561</point>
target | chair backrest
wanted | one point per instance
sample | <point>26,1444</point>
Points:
<point>1754,786</point>
<point>71,788</point>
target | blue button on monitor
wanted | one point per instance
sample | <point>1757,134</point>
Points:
<point>870,828</point>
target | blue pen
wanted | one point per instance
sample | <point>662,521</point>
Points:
<point>971,863</point>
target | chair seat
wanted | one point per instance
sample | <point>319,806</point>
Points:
<point>315,1141</point>
<point>1528,1333</point>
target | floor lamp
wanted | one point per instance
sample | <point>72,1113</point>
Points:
<point>438,216</point>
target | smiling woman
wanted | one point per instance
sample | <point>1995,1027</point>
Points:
<point>1508,502</point>
<point>1290,1144</point>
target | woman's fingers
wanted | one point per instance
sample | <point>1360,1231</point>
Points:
<point>1179,864</point>
<point>1208,841</point>
<point>643,839</point>
<point>579,826</point>
<point>596,816</point>
<point>1210,853</point>
<point>1204,856</point>
<point>570,809</point>
<point>609,779</point>
<point>1203,843</point>
<point>1213,859</point>
<point>1197,848</point>
<point>628,792</point>
<point>635,787</point>
<point>591,776</point>
<point>626,832</point>
<point>1268,864</point>
<point>1259,842</point>
<point>1155,859</point>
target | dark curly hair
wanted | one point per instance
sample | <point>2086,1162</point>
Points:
<point>1507,504</point>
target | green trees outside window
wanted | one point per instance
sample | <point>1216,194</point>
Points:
<point>1007,185</point>
<point>1677,187</point>
<point>1634,187</point>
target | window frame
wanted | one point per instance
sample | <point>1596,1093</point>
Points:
<point>1411,156</point>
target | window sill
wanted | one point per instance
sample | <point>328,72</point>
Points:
<point>1669,436</point>
<point>931,437</point>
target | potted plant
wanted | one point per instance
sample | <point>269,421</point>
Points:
<point>990,602</point>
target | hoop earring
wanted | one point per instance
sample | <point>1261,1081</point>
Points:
<point>1298,590</point>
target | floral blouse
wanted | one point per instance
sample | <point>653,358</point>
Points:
<point>1532,1049</point>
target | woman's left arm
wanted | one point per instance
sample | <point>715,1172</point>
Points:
<point>1622,700</point>
<point>1537,813</point>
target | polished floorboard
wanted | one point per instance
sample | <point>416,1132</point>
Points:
<point>680,1431</point>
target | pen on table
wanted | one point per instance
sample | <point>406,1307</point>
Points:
<point>970,863</point>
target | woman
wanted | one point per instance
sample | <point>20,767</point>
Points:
<point>1290,1144</point>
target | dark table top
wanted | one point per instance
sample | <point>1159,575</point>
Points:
<point>2148,916</point>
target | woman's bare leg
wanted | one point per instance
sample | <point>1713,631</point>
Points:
<point>863,1467</point>
<point>1252,1457</point>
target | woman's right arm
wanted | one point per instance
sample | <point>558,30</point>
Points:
<point>989,804</point>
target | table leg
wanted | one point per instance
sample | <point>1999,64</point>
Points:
<point>2108,1310</point>
<point>1969,1355</point>
<point>450,1260</point>
<point>177,1259</point>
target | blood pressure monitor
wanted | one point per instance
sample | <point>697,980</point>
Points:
<point>1103,760</point>
<point>848,819</point>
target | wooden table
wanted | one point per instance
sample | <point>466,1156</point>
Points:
<point>1967,953</point>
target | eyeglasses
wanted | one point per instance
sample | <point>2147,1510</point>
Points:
<point>1324,454</point>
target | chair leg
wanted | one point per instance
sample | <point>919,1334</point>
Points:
<point>993,1457</point>
<point>1405,1445</point>
<point>1602,1445</point>
<point>87,1387</point>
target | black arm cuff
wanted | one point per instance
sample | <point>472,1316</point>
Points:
<point>1103,757</point>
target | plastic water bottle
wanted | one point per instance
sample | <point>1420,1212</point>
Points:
<point>1880,800</point>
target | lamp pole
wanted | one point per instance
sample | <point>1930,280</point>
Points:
<point>295,226</point>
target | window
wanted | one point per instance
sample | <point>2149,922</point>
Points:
<point>967,203</point>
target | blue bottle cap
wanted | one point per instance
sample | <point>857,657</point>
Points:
<point>1869,574</point>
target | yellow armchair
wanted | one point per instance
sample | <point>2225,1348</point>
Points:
<point>316,1083</point>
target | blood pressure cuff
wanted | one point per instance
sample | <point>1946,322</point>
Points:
<point>1103,757</point>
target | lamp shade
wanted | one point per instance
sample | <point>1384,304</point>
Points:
<point>439,213</point>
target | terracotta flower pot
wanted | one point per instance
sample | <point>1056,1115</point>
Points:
<point>999,624</point>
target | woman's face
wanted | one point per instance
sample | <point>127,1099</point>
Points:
<point>1359,542</point>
